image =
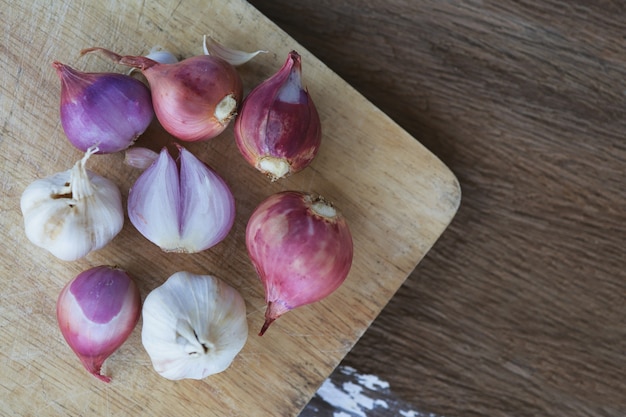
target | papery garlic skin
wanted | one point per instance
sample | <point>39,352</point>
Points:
<point>193,326</point>
<point>73,212</point>
<point>162,56</point>
<point>184,210</point>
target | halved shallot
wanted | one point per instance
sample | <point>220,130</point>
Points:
<point>181,206</point>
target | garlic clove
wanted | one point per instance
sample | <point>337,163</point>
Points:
<point>233,56</point>
<point>193,326</point>
<point>72,213</point>
<point>160,55</point>
<point>139,157</point>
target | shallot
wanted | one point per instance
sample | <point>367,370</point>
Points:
<point>193,99</point>
<point>96,312</point>
<point>278,130</point>
<point>301,248</point>
<point>181,208</point>
<point>106,110</point>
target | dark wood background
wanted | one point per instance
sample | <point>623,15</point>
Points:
<point>520,308</point>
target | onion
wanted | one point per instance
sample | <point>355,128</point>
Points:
<point>96,312</point>
<point>106,110</point>
<point>186,208</point>
<point>301,248</point>
<point>278,130</point>
<point>193,99</point>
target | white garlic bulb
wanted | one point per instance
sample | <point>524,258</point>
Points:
<point>193,326</point>
<point>72,213</point>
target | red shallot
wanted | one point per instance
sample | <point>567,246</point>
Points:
<point>302,249</point>
<point>193,99</point>
<point>185,207</point>
<point>96,312</point>
<point>278,129</point>
<point>106,110</point>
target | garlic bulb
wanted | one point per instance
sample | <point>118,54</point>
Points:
<point>73,212</point>
<point>193,326</point>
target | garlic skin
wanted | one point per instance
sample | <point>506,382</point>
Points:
<point>193,326</point>
<point>72,213</point>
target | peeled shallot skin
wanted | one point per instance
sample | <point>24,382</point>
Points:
<point>106,110</point>
<point>194,99</point>
<point>301,248</point>
<point>96,312</point>
<point>278,130</point>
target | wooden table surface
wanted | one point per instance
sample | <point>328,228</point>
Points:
<point>396,195</point>
<point>520,308</point>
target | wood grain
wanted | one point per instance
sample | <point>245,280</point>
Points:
<point>520,308</point>
<point>362,168</point>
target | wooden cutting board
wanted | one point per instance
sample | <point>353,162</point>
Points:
<point>397,197</point>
